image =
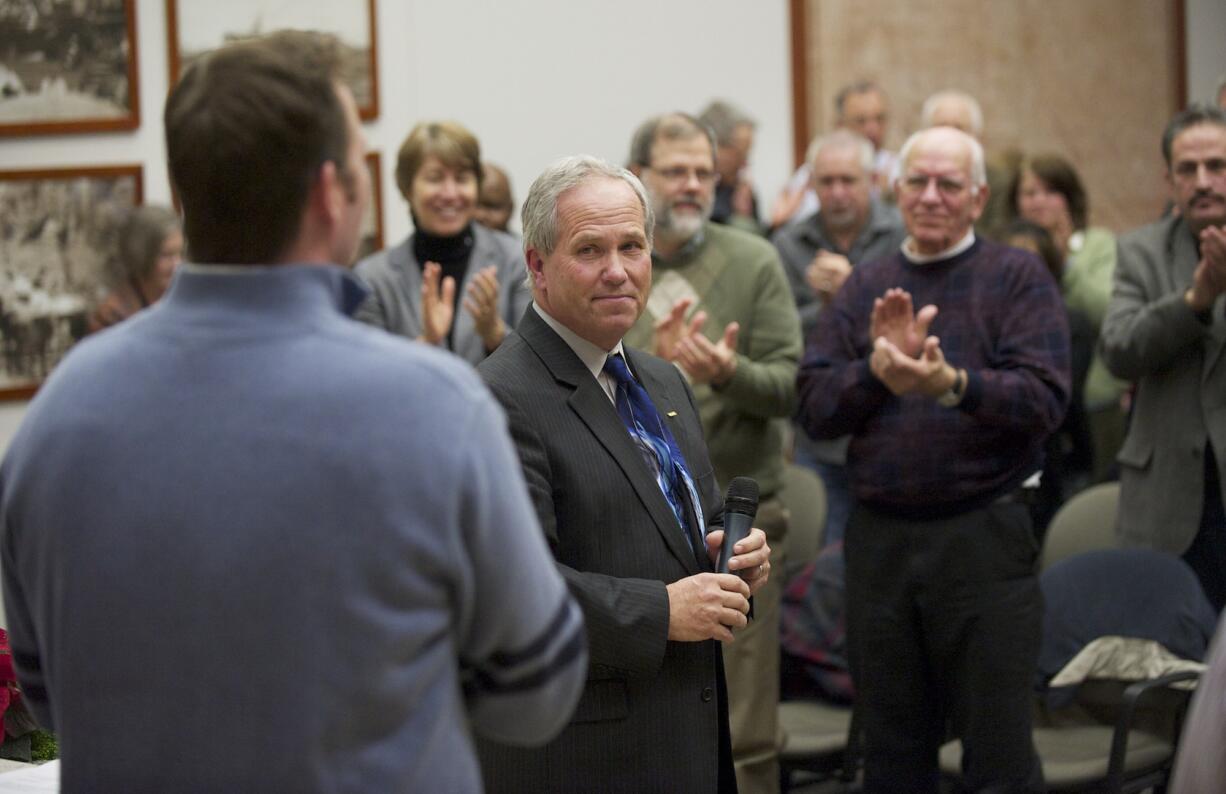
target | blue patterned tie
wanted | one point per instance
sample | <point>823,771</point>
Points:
<point>659,449</point>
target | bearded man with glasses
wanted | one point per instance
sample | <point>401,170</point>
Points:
<point>722,311</point>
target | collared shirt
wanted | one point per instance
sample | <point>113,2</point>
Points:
<point>916,258</point>
<point>591,355</point>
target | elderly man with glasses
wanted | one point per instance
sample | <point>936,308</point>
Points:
<point>948,408</point>
<point>722,311</point>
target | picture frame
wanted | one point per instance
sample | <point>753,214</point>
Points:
<point>195,27</point>
<point>59,229</point>
<point>372,222</point>
<point>69,68</point>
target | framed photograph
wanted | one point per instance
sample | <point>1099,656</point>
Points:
<point>372,224</point>
<point>56,235</point>
<point>195,27</point>
<point>68,66</point>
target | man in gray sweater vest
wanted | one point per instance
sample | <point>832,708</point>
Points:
<point>250,544</point>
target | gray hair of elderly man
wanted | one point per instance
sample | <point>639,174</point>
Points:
<point>979,173</point>
<point>971,104</point>
<point>540,213</point>
<point>839,139</point>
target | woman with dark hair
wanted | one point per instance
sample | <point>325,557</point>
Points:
<point>149,248</point>
<point>453,282</point>
<point>1047,191</point>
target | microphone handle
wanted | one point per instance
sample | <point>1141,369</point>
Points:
<point>736,528</point>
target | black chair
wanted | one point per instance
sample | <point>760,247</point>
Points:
<point>1123,630</point>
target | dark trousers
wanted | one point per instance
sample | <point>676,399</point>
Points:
<point>944,620</point>
<point>1207,554</point>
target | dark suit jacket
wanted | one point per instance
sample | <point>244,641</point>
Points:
<point>653,716</point>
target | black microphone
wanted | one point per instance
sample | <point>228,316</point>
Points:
<point>740,507</point>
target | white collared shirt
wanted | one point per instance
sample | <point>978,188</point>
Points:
<point>916,258</point>
<point>591,355</point>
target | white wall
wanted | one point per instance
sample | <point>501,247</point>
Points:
<point>542,79</point>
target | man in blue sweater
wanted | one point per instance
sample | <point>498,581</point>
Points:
<point>948,409</point>
<point>250,544</point>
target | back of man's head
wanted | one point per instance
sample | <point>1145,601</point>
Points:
<point>247,129</point>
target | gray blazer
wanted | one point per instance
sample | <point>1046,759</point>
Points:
<point>394,279</point>
<point>1151,336</point>
<point>652,716</point>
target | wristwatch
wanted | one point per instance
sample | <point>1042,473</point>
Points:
<point>951,398</point>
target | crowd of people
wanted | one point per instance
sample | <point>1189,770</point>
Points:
<point>509,519</point>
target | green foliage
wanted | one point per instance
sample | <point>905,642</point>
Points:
<point>43,746</point>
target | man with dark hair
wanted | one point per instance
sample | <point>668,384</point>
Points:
<point>721,310</point>
<point>252,543</point>
<point>1165,330</point>
<point>948,408</point>
<point>611,444</point>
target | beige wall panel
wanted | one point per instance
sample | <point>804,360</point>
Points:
<point>1094,80</point>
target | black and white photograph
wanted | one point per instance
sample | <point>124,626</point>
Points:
<point>68,66</point>
<point>372,222</point>
<point>199,26</point>
<point>57,229</point>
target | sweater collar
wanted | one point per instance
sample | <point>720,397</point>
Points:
<point>255,288</point>
<point>916,258</point>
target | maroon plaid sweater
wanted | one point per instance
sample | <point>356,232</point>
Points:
<point>1002,319</point>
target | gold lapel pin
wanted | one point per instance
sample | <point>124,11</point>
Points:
<point>672,413</point>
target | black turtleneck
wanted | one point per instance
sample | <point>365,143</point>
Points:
<point>452,254</point>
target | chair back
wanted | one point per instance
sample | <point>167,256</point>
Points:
<point>1085,523</point>
<point>804,496</point>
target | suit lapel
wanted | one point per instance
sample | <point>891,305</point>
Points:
<point>589,401</point>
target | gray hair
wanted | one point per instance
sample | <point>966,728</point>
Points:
<point>979,175</point>
<point>723,118</point>
<point>668,127</point>
<point>540,213</point>
<point>972,106</point>
<point>841,139</point>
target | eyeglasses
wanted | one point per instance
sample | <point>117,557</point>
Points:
<point>918,183</point>
<point>679,173</point>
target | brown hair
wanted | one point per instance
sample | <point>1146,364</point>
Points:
<point>140,241</point>
<point>247,130</point>
<point>1058,174</point>
<point>449,141</point>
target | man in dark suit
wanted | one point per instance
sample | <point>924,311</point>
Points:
<point>623,510</point>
